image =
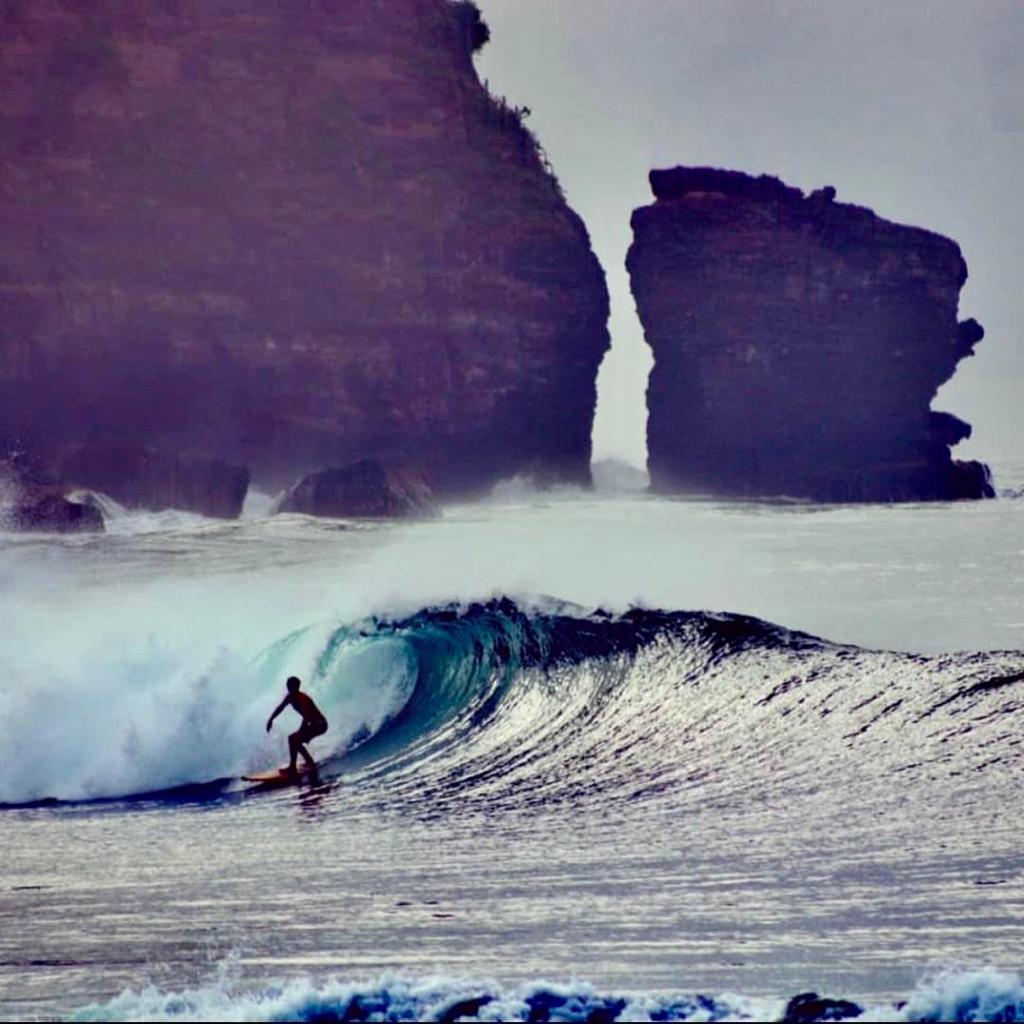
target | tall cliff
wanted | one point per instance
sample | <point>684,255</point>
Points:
<point>286,235</point>
<point>798,343</point>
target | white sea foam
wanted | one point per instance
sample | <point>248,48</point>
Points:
<point>116,705</point>
<point>966,995</point>
<point>985,994</point>
<point>398,997</point>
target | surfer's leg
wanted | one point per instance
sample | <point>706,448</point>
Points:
<point>297,745</point>
<point>294,746</point>
<point>307,733</point>
<point>304,738</point>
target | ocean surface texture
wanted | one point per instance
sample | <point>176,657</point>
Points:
<point>591,757</point>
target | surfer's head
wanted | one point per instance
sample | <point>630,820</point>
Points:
<point>293,684</point>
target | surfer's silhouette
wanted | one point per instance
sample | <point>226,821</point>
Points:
<point>313,723</point>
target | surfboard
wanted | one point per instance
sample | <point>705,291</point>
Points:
<point>281,777</point>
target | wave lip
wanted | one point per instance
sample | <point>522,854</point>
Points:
<point>960,996</point>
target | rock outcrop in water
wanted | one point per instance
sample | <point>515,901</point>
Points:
<point>286,236</point>
<point>364,489</point>
<point>798,344</point>
<point>29,501</point>
<point>49,510</point>
<point>156,480</point>
<point>809,1008</point>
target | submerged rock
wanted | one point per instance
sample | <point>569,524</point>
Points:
<point>289,236</point>
<point>158,480</point>
<point>798,344</point>
<point>30,500</point>
<point>809,1006</point>
<point>363,489</point>
<point>36,507</point>
<point>465,1009</point>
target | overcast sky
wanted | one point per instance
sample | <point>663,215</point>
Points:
<point>912,107</point>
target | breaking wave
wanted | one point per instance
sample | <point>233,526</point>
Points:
<point>507,705</point>
<point>986,995</point>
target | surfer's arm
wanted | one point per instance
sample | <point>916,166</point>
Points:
<point>280,707</point>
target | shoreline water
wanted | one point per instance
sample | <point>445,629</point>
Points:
<point>631,816</point>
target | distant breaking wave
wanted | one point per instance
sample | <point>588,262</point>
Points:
<point>985,995</point>
<point>506,705</point>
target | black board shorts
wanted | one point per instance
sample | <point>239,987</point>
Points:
<point>310,730</point>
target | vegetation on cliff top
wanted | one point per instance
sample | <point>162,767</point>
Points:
<point>475,30</point>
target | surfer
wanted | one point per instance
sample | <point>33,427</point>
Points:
<point>313,723</point>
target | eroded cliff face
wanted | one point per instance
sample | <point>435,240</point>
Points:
<point>288,236</point>
<point>798,344</point>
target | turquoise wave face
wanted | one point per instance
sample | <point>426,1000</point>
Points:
<point>541,705</point>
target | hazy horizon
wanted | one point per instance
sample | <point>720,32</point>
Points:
<point>914,110</point>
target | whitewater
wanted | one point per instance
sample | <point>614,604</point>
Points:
<point>591,756</point>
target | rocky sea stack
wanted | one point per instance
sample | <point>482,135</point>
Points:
<point>798,344</point>
<point>286,236</point>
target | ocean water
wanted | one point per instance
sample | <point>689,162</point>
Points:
<point>592,756</point>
